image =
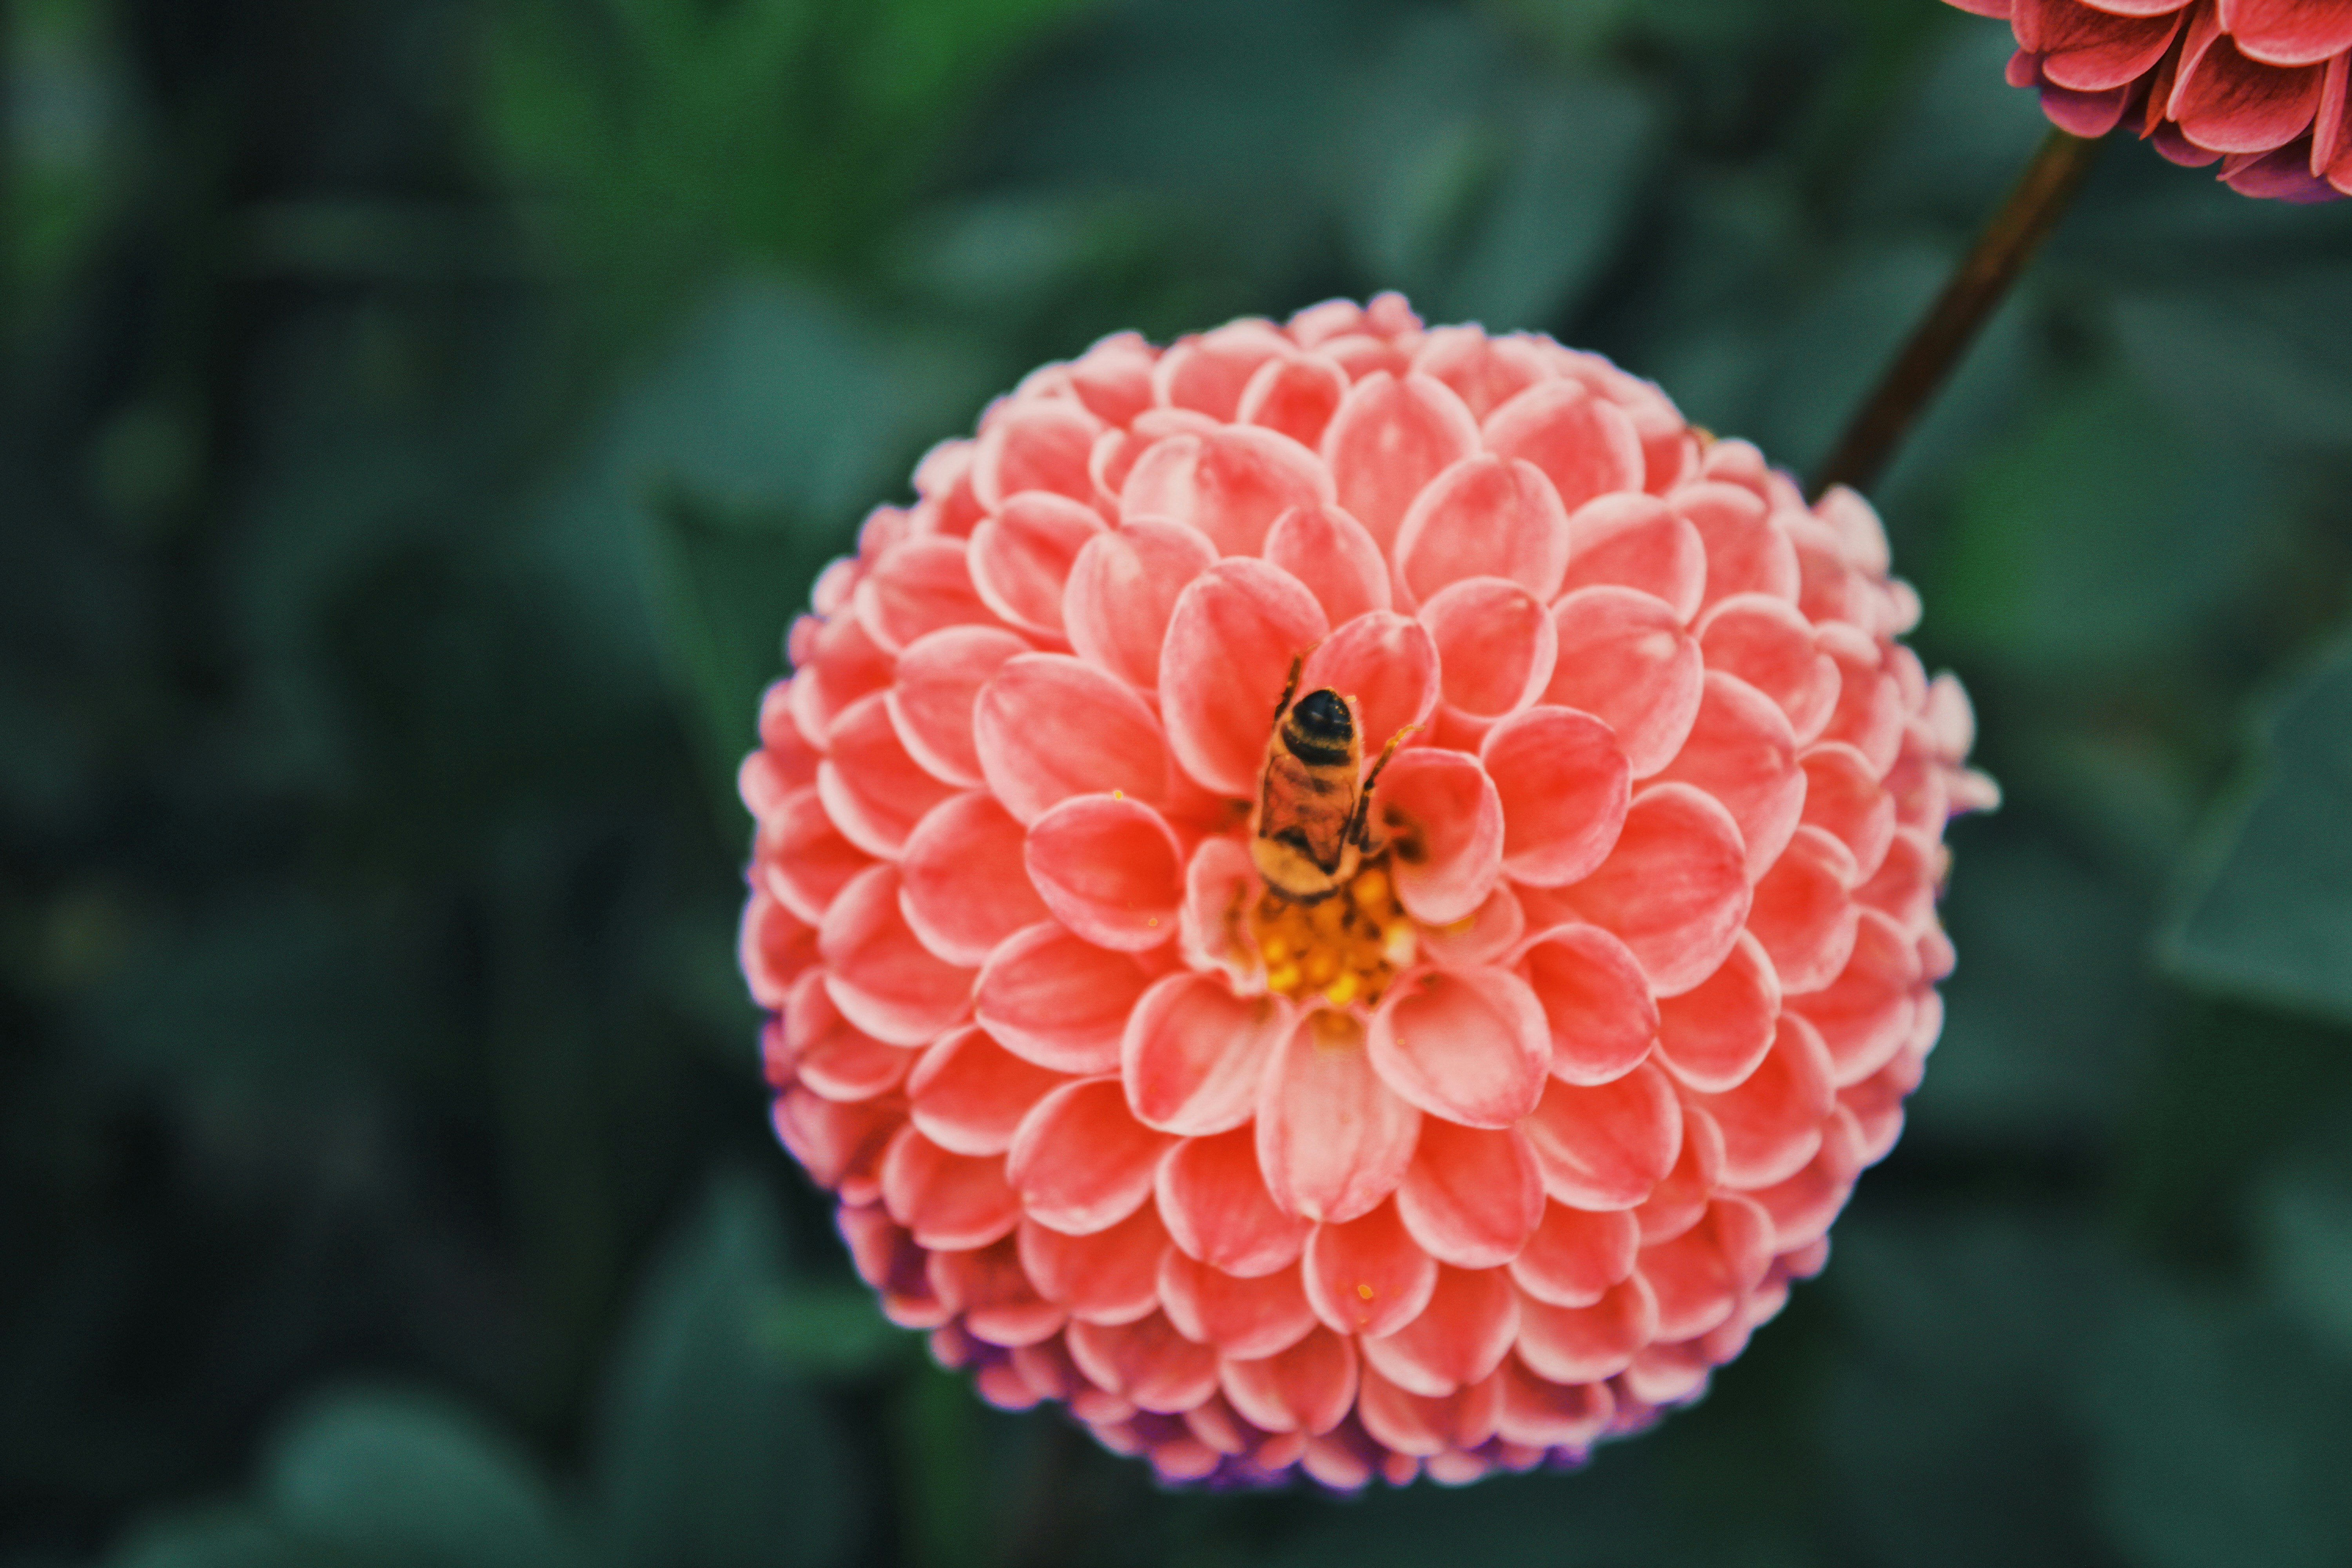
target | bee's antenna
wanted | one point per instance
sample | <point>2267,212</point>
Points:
<point>1289,687</point>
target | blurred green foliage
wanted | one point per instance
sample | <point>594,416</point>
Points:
<point>421,419</point>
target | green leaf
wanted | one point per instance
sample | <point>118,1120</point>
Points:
<point>411,1482</point>
<point>2270,365</point>
<point>2269,911</point>
<point>2303,1225</point>
<point>712,1455</point>
<point>234,1537</point>
<point>2102,532</point>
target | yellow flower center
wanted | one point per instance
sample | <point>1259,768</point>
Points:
<point>1345,949</point>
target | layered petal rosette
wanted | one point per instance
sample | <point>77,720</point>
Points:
<point>2256,86</point>
<point>1499,1149</point>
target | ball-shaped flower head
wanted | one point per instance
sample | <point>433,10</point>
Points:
<point>1494,1145</point>
<point>2256,86</point>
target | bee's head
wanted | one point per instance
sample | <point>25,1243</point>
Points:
<point>1323,716</point>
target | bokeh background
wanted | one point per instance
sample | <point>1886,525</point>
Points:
<point>422,418</point>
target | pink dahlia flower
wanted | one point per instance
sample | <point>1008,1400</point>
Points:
<point>1496,1150</point>
<point>2257,86</point>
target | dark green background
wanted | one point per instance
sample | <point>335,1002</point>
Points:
<point>422,416</point>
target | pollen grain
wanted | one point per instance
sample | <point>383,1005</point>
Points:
<point>1344,949</point>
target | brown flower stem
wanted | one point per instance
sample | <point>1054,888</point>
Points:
<point>1992,264</point>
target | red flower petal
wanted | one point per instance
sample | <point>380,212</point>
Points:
<point>803,858</point>
<point>1329,551</point>
<point>968,1094</point>
<point>1109,868</point>
<point>1713,1035</point>
<point>1246,1319</point>
<point>1606,1146</point>
<point>1386,667</point>
<point>880,973</point>
<point>1634,541</point>
<point>1048,727</point>
<point>1447,823</point>
<point>1804,913</point>
<point>1310,1387</point>
<point>1470,1046</point>
<point>1485,517</point>
<point>1414,1425</point>
<point>1296,394</point>
<point>1585,445</point>
<point>999,1304</point>
<point>1332,1138</point>
<point>1108,1276</point>
<point>1745,553</point>
<point>1741,751</point>
<point>938,683</point>
<point>946,1199</point>
<point>2092,51</point>
<point>1194,1053</point>
<point>1058,1001</point>
<point>1218,1209</point>
<point>1080,1162</point>
<point>1123,587</point>
<point>1208,373</point>
<point>871,787</point>
<point>1497,644</point>
<point>1021,558</point>
<point>1457,1339</point>
<point>1771,1124</point>
<point>1146,1361</point>
<point>1585,1344</point>
<point>1471,1198</point>
<point>1865,1015</point>
<point>1485,371</point>
<point>1768,644</point>
<point>1564,787</point>
<point>1387,440</point>
<point>919,588</point>
<point>1673,889</point>
<point>1043,447</point>
<point>1230,643</point>
<point>832,1057</point>
<point>1699,1276</point>
<point>1624,658</point>
<point>2225,102</point>
<point>1368,1276</point>
<point>1546,1414</point>
<point>1230,483</point>
<point>1596,1002</point>
<point>1576,1255</point>
<point>1843,798</point>
<point>964,883</point>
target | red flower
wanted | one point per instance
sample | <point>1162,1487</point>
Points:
<point>2258,86</point>
<point>1496,1142</point>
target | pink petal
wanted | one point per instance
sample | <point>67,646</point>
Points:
<point>1564,785</point>
<point>1048,727</point>
<point>2331,133</point>
<point>1673,889</point>
<point>2290,32</point>
<point>1446,822</point>
<point>1679,1200</point>
<point>1329,551</point>
<point>1218,1209</point>
<point>1802,1207</point>
<point>917,588</point>
<point>1194,1053</point>
<point>1021,558</point>
<point>1000,1305</point>
<point>1482,937</point>
<point>1459,1339</point>
<point>1148,1362</point>
<point>1485,517</point>
<point>1771,1124</point>
<point>1768,644</point>
<point>1230,643</point>
<point>1123,587</point>
<point>1844,799</point>
<point>968,1093</point>
<point>1804,913</point>
<point>1113,378</point>
<point>839,1144</point>
<point>1632,541</point>
<point>1080,1162</point>
<point>1585,1344</point>
<point>1746,552</point>
<point>1057,1000</point>
<point>1546,1414</point>
<point>1471,1198</point>
<point>1332,1138</point>
<point>1576,1255</point>
<point>1245,1319</point>
<point>1625,659</point>
<point>1596,1002</point>
<point>938,681</point>
<point>1296,394</point>
<point>1386,667</point>
<point>1469,1045</point>
<point>808,862</point>
<point>833,1058</point>
<point>843,665</point>
<point>1905,887</point>
<point>1485,371</point>
<point>1310,1387</point>
<point>880,974</point>
<point>1741,751</point>
<point>1606,1146</point>
<point>1713,1035</point>
<point>1220,885</point>
<point>1043,447</point>
<point>1869,715</point>
<point>1496,642</point>
<point>1208,372</point>
<point>2225,102</point>
<point>1110,870</point>
<point>1699,1276</point>
<point>1389,439</point>
<point>964,884</point>
<point>946,1200</point>
<point>1414,1426</point>
<point>1230,484</point>
<point>1866,1014</point>
<point>1109,1277</point>
<point>871,787</point>
<point>1586,446</point>
<point>2091,50</point>
<point>1369,1276</point>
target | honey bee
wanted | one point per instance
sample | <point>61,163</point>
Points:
<point>1313,830</point>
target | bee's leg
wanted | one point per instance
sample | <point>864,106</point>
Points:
<point>1358,829</point>
<point>1289,687</point>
